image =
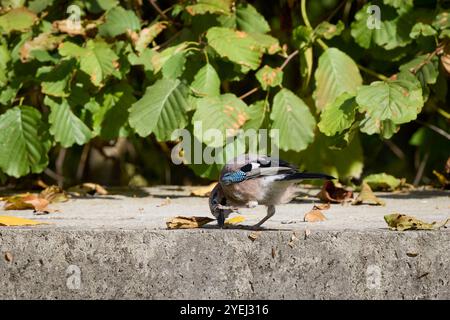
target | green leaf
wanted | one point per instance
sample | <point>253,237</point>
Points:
<point>97,6</point>
<point>269,77</point>
<point>65,126</point>
<point>422,29</point>
<point>5,58</point>
<point>337,73</point>
<point>268,44</point>
<point>237,46</point>
<point>292,117</point>
<point>328,31</point>
<point>426,69</point>
<point>306,66</point>
<point>396,100</point>
<point>110,111</point>
<point>98,60</point>
<point>442,21</point>
<point>339,115</point>
<point>174,54</point>
<point>391,34</point>
<point>257,114</point>
<point>210,6</point>
<point>19,19</point>
<point>403,5</point>
<point>161,110</point>
<point>206,82</point>
<point>248,19</point>
<point>382,181</point>
<point>55,81</point>
<point>303,36</point>
<point>385,128</point>
<point>23,146</point>
<point>174,66</point>
<point>119,21</point>
<point>225,113</point>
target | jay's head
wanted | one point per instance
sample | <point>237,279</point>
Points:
<point>216,200</point>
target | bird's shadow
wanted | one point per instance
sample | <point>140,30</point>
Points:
<point>241,227</point>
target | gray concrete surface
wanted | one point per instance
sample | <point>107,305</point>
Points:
<point>117,246</point>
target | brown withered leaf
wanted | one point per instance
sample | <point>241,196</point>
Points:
<point>203,191</point>
<point>181,222</point>
<point>8,256</point>
<point>54,194</point>
<point>254,235</point>
<point>402,222</point>
<point>314,216</point>
<point>25,201</point>
<point>87,188</point>
<point>293,240</point>
<point>44,41</point>
<point>67,26</point>
<point>331,193</point>
<point>443,181</point>
<point>322,206</point>
<point>366,196</point>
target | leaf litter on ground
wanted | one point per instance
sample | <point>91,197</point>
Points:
<point>87,188</point>
<point>8,221</point>
<point>331,193</point>
<point>181,222</point>
<point>366,196</point>
<point>402,222</point>
<point>37,202</point>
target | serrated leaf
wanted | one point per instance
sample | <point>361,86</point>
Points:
<point>206,82</point>
<point>97,6</point>
<point>225,113</point>
<point>237,46</point>
<point>248,19</point>
<point>339,115</point>
<point>396,100</point>
<point>18,19</point>
<point>210,6</point>
<point>426,69</point>
<point>385,128</point>
<point>55,81</point>
<point>269,77</point>
<point>119,21</point>
<point>422,29</point>
<point>268,44</point>
<point>65,126</point>
<point>336,74</point>
<point>174,66</point>
<point>97,59</point>
<point>174,53</point>
<point>161,110</point>
<point>292,117</point>
<point>23,147</point>
<point>110,111</point>
<point>382,181</point>
<point>390,35</point>
<point>43,42</point>
<point>256,113</point>
<point>442,21</point>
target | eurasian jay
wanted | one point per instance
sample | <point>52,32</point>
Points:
<point>250,180</point>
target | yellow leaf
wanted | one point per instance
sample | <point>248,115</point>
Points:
<point>401,222</point>
<point>235,220</point>
<point>187,222</point>
<point>203,191</point>
<point>367,196</point>
<point>7,221</point>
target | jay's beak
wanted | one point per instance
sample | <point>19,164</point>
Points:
<point>221,219</point>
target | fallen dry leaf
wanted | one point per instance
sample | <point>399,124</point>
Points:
<point>26,201</point>
<point>8,256</point>
<point>235,220</point>
<point>443,181</point>
<point>307,233</point>
<point>203,191</point>
<point>314,216</point>
<point>322,206</point>
<point>331,193</point>
<point>54,194</point>
<point>187,222</point>
<point>293,239</point>
<point>401,222</point>
<point>254,235</point>
<point>7,221</point>
<point>84,189</point>
<point>366,196</point>
<point>273,253</point>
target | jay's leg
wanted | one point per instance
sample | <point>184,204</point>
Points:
<point>270,213</point>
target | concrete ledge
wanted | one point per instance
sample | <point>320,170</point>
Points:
<point>123,262</point>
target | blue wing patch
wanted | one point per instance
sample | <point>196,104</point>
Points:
<point>233,177</point>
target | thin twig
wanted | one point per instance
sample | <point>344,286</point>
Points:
<point>53,175</point>
<point>289,58</point>
<point>158,9</point>
<point>249,93</point>
<point>395,149</point>
<point>435,129</point>
<point>372,73</point>
<point>421,169</point>
<point>59,166</point>
<point>83,159</point>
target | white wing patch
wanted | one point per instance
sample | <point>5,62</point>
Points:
<point>255,165</point>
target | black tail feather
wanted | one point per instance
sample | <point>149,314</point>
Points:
<point>308,175</point>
